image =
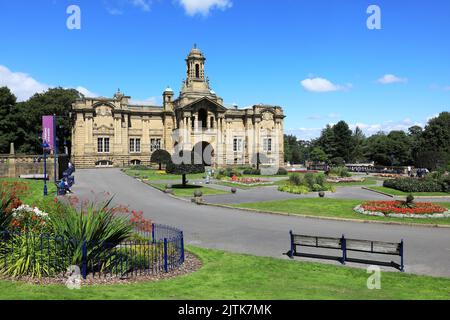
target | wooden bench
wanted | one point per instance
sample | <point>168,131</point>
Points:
<point>36,176</point>
<point>345,245</point>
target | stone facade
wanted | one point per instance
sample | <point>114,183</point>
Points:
<point>113,132</point>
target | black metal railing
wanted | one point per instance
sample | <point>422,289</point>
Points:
<point>41,255</point>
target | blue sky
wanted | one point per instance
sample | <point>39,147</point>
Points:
<point>317,59</point>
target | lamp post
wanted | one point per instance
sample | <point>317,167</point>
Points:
<point>45,146</point>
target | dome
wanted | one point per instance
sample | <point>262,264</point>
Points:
<point>195,52</point>
<point>168,90</point>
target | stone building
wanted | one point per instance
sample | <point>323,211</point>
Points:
<point>114,132</point>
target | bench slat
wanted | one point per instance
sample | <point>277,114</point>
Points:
<point>326,242</point>
<point>372,246</point>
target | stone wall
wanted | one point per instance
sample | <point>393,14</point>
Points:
<point>13,166</point>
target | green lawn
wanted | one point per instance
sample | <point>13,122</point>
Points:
<point>337,208</point>
<point>366,182</point>
<point>244,277</point>
<point>394,192</point>
<point>154,175</point>
<point>36,190</point>
<point>188,191</point>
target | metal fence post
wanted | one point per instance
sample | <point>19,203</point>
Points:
<point>402,265</point>
<point>182,247</point>
<point>292,252</point>
<point>166,267</point>
<point>84,260</point>
<point>344,249</point>
<point>153,233</point>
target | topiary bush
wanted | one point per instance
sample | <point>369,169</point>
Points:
<point>282,172</point>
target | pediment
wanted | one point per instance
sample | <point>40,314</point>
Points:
<point>204,103</point>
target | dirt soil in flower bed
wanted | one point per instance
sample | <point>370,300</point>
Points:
<point>192,264</point>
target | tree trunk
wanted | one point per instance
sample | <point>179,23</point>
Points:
<point>160,166</point>
<point>184,180</point>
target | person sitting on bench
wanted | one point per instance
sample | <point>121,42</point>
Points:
<point>64,185</point>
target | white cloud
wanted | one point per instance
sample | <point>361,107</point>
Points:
<point>152,101</point>
<point>322,85</point>
<point>203,7</point>
<point>114,11</point>
<point>117,7</point>
<point>86,92</point>
<point>21,84</point>
<point>24,86</point>
<point>142,4</point>
<point>390,78</point>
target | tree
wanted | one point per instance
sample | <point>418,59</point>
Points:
<point>358,140</point>
<point>342,141</point>
<point>21,122</point>
<point>160,157</point>
<point>8,123</point>
<point>326,141</point>
<point>185,167</point>
<point>318,155</point>
<point>433,150</point>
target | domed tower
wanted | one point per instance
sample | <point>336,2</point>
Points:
<point>196,81</point>
<point>196,65</point>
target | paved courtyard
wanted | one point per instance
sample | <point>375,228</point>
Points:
<point>427,250</point>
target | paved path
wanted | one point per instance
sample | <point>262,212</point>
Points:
<point>271,194</point>
<point>427,249</point>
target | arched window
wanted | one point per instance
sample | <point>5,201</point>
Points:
<point>197,71</point>
<point>135,162</point>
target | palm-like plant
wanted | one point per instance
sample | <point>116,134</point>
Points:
<point>95,229</point>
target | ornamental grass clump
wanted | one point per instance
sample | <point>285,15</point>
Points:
<point>96,226</point>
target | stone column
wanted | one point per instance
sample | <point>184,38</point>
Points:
<point>196,123</point>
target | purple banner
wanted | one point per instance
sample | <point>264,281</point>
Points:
<point>48,131</point>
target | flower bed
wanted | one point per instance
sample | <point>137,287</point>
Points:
<point>398,209</point>
<point>248,181</point>
<point>344,180</point>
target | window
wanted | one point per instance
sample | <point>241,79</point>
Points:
<point>197,71</point>
<point>135,145</point>
<point>155,144</point>
<point>135,162</point>
<point>103,145</point>
<point>237,145</point>
<point>267,145</point>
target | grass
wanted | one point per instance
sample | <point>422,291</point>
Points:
<point>394,192</point>
<point>36,190</point>
<point>154,175</point>
<point>188,191</point>
<point>367,182</point>
<point>243,277</point>
<point>336,208</point>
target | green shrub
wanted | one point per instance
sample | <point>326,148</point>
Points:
<point>341,172</point>
<point>294,189</point>
<point>252,171</point>
<point>227,173</point>
<point>414,185</point>
<point>282,172</point>
<point>309,180</point>
<point>24,254</point>
<point>295,179</point>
